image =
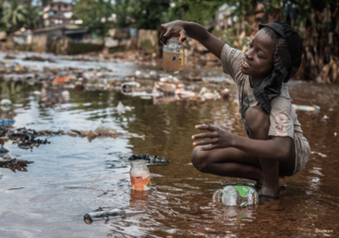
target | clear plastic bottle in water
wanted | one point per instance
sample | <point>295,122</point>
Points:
<point>173,56</point>
<point>140,175</point>
<point>240,196</point>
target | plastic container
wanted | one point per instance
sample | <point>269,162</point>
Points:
<point>240,196</point>
<point>5,122</point>
<point>94,216</point>
<point>140,176</point>
<point>173,56</point>
<point>90,217</point>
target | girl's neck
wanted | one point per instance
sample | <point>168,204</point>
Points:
<point>253,81</point>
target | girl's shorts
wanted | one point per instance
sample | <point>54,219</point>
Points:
<point>302,152</point>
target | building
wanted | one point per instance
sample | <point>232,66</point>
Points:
<point>57,13</point>
<point>23,36</point>
<point>43,37</point>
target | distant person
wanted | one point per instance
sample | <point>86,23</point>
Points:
<point>276,145</point>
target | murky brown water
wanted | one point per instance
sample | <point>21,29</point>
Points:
<point>72,176</point>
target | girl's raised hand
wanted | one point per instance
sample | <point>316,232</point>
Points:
<point>174,28</point>
<point>218,138</point>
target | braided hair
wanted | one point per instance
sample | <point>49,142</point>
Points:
<point>281,56</point>
<point>270,87</point>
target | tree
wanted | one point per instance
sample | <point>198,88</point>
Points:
<point>200,11</point>
<point>123,9</point>
<point>33,18</point>
<point>94,15</point>
<point>317,23</point>
<point>15,15</point>
<point>148,14</point>
<point>45,2</point>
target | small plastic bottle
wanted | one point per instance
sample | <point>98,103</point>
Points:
<point>140,176</point>
<point>173,56</point>
<point>93,216</point>
<point>240,196</point>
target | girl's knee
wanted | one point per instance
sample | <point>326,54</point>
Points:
<point>198,159</point>
<point>257,119</point>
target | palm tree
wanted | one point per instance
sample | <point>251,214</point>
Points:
<point>15,15</point>
<point>33,18</point>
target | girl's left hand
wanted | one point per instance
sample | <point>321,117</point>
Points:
<point>218,138</point>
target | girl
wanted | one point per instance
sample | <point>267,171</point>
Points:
<point>275,145</point>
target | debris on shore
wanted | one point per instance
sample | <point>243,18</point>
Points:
<point>6,161</point>
<point>150,159</point>
<point>146,84</point>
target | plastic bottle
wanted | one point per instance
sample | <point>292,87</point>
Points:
<point>240,196</point>
<point>94,216</point>
<point>140,176</point>
<point>114,213</point>
<point>5,122</point>
<point>173,56</point>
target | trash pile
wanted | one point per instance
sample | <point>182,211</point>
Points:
<point>26,139</point>
<point>150,159</point>
<point>144,84</point>
<point>99,132</point>
<point>6,161</point>
<point>169,88</point>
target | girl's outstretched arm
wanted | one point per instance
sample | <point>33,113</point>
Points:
<point>193,30</point>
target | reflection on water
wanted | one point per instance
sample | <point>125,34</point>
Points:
<point>72,176</point>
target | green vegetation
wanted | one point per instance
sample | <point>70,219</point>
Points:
<point>316,21</point>
<point>16,15</point>
<point>94,15</point>
<point>200,11</point>
<point>79,48</point>
<point>148,14</point>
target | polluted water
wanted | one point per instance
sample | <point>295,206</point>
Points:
<point>73,176</point>
<point>173,56</point>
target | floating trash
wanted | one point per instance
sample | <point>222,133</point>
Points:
<point>5,122</point>
<point>94,216</point>
<point>26,139</point>
<point>150,159</point>
<point>7,161</point>
<point>5,102</point>
<point>61,80</point>
<point>121,108</point>
<point>113,213</point>
<point>306,108</point>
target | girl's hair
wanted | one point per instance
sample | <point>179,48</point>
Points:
<point>281,58</point>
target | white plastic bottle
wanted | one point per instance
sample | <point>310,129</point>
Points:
<point>140,176</point>
<point>240,196</point>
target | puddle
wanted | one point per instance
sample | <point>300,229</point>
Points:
<point>73,176</point>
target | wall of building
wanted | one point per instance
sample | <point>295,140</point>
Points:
<point>39,42</point>
<point>148,41</point>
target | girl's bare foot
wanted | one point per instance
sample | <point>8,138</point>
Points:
<point>282,182</point>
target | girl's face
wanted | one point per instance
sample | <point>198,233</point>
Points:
<point>258,58</point>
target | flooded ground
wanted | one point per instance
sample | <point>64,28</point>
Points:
<point>73,176</point>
